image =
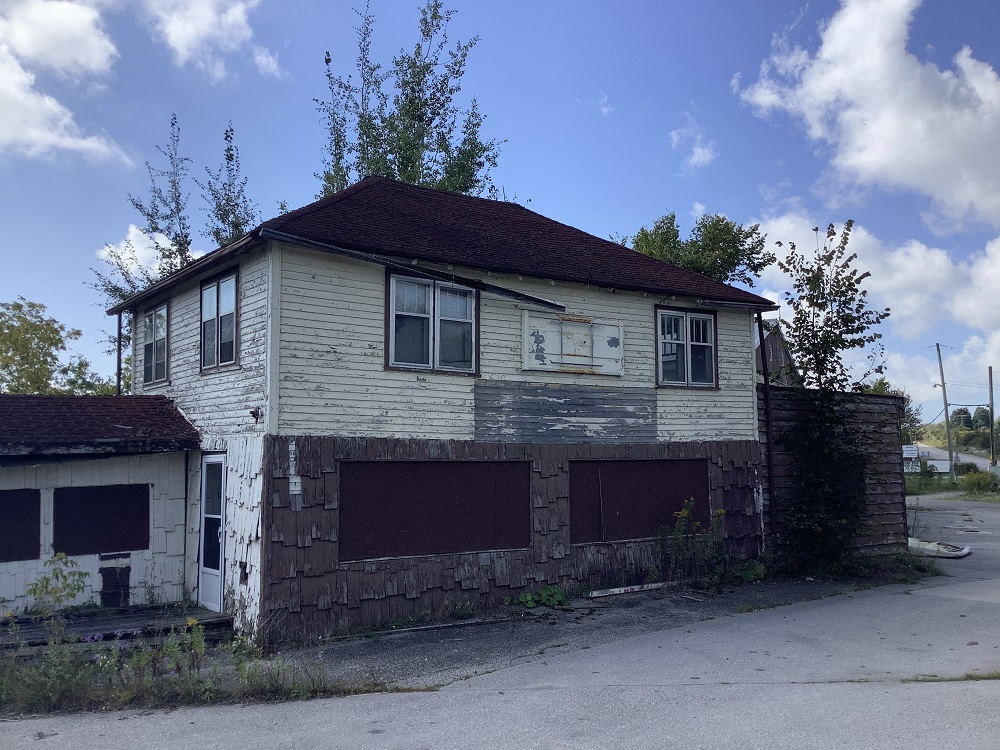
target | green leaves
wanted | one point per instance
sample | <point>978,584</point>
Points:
<point>717,248</point>
<point>31,349</point>
<point>830,314</point>
<point>404,122</point>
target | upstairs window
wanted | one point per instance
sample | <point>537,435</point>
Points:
<point>432,325</point>
<point>154,349</point>
<point>685,348</point>
<point>218,322</point>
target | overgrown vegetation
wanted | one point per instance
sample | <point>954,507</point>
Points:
<point>824,514</point>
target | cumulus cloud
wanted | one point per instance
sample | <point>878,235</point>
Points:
<point>202,32</point>
<point>60,36</point>
<point>691,140</point>
<point>891,120</point>
<point>137,247</point>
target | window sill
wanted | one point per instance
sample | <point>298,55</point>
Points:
<point>680,387</point>
<point>221,369</point>
<point>431,371</point>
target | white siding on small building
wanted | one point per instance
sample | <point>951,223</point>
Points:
<point>158,574</point>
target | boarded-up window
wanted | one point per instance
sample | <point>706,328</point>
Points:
<point>403,508</point>
<point>617,500</point>
<point>91,520</point>
<point>20,525</point>
<point>564,343</point>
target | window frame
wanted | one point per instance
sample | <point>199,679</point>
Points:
<point>434,325</point>
<point>688,315</point>
<point>151,311</point>
<point>216,282</point>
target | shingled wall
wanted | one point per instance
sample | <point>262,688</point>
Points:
<point>874,421</point>
<point>308,592</point>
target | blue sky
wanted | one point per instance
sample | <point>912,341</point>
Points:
<point>789,114</point>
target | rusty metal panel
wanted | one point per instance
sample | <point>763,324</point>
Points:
<point>20,531</point>
<point>91,520</point>
<point>619,500</point>
<point>405,508</point>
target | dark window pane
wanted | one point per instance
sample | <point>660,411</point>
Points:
<point>227,338</point>
<point>147,363</point>
<point>160,359</point>
<point>702,365</point>
<point>413,338</point>
<point>213,489</point>
<point>672,363</point>
<point>92,520</point>
<point>455,346</point>
<point>210,557</point>
<point>208,343</point>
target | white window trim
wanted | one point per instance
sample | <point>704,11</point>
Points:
<point>166,341</point>
<point>687,344</point>
<point>434,353</point>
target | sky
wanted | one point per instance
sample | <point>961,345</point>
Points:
<point>790,115</point>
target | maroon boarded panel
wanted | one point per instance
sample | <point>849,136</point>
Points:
<point>585,502</point>
<point>633,499</point>
<point>403,508</point>
<point>20,525</point>
<point>109,518</point>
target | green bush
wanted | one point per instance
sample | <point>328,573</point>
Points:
<point>965,467</point>
<point>980,483</point>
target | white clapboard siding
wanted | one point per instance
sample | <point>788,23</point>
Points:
<point>158,574</point>
<point>332,354</point>
<point>216,402</point>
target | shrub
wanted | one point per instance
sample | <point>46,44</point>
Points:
<point>980,483</point>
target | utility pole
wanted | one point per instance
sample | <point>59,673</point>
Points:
<point>993,442</point>
<point>947,418</point>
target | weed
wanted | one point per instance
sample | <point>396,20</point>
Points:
<point>550,596</point>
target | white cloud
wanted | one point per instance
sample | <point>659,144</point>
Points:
<point>891,120</point>
<point>36,125</point>
<point>267,62</point>
<point>700,151</point>
<point>697,210</point>
<point>202,32</point>
<point>61,35</point>
<point>66,38</point>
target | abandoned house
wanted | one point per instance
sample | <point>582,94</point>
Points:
<point>410,401</point>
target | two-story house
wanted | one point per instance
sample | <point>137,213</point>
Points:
<point>411,401</point>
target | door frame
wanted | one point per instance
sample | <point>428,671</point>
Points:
<point>209,578</point>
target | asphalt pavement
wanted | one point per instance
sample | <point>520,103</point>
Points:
<point>879,668</point>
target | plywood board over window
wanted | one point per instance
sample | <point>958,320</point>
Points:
<point>101,519</point>
<point>564,343</point>
<point>406,508</point>
<point>620,500</point>
<point>20,525</point>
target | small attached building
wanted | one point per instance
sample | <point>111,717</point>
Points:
<point>104,480</point>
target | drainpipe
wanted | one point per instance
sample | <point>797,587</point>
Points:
<point>118,372</point>
<point>767,421</point>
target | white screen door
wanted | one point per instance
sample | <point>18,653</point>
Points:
<point>213,494</point>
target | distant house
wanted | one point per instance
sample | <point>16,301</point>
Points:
<point>781,366</point>
<point>104,480</point>
<point>409,400</point>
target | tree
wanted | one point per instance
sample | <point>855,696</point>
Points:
<point>911,425</point>
<point>961,417</point>
<point>231,212</point>
<point>404,123</point>
<point>31,346</point>
<point>981,418</point>
<point>830,313</point>
<point>717,248</point>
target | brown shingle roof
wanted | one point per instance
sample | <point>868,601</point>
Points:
<point>379,215</point>
<point>59,425</point>
<point>393,219</point>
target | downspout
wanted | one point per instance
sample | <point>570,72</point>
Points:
<point>767,421</point>
<point>118,372</point>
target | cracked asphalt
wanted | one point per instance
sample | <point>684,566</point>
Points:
<point>877,668</point>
